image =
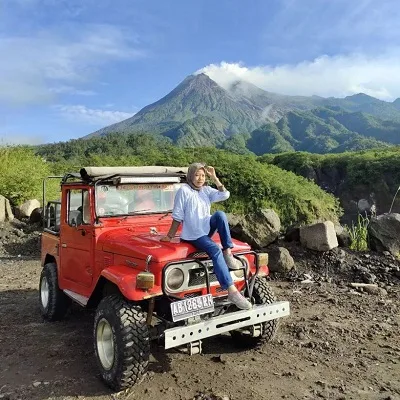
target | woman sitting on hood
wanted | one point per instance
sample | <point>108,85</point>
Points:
<point>192,207</point>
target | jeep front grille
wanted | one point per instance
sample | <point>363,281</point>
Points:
<point>198,254</point>
<point>189,275</point>
<point>190,295</point>
<point>197,277</point>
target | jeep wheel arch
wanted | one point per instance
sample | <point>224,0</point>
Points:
<point>49,259</point>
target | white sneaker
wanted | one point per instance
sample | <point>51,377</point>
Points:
<point>231,262</point>
<point>239,301</point>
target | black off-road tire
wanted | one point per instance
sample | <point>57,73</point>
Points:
<point>128,357</point>
<point>54,306</point>
<point>262,294</point>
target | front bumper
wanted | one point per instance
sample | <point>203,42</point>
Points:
<point>224,323</point>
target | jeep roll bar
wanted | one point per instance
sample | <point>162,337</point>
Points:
<point>44,205</point>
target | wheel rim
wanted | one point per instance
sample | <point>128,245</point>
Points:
<point>44,292</point>
<point>105,343</point>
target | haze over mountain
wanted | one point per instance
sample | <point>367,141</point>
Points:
<point>199,112</point>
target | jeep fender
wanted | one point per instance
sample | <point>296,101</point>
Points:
<point>125,278</point>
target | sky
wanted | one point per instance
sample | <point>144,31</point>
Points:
<point>70,67</point>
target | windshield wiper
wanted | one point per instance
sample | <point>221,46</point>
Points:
<point>165,215</point>
<point>138,211</point>
<point>124,217</point>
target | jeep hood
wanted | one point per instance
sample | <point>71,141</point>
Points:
<point>125,243</point>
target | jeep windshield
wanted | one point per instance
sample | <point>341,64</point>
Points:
<point>130,199</point>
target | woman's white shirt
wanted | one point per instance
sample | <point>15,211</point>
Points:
<point>192,208</point>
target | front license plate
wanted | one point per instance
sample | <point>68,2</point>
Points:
<point>187,308</point>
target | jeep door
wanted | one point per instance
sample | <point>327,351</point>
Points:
<point>77,239</point>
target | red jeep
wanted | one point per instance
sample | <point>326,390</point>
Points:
<point>101,248</point>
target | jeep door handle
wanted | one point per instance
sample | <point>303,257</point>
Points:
<point>64,245</point>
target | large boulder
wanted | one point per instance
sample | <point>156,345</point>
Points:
<point>6,213</point>
<point>259,229</point>
<point>36,216</point>
<point>320,236</point>
<point>292,234</point>
<point>279,259</point>
<point>343,236</point>
<point>384,233</point>
<point>25,210</point>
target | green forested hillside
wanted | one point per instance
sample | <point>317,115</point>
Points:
<point>368,167</point>
<point>281,181</point>
<point>373,175</point>
<point>252,184</point>
<point>323,130</point>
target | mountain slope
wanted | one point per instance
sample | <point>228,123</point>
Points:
<point>196,96</point>
<point>273,105</point>
<point>363,123</point>
<point>199,112</point>
<point>316,131</point>
<point>199,131</point>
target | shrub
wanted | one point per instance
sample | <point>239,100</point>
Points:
<point>358,233</point>
<point>21,174</point>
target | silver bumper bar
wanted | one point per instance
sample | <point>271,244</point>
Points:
<point>224,323</point>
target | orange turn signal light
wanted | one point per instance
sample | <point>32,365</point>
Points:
<point>145,280</point>
<point>262,259</point>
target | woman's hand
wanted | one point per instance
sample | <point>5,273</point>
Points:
<point>165,239</point>
<point>210,171</point>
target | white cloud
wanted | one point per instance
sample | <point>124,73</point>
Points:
<point>65,89</point>
<point>338,76</point>
<point>33,66</point>
<point>92,116</point>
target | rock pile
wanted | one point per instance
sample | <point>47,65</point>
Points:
<point>19,238</point>
<point>287,260</point>
<point>340,265</point>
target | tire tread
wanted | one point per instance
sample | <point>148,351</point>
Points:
<point>59,302</point>
<point>262,294</point>
<point>132,342</point>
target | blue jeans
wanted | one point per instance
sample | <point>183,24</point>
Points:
<point>218,222</point>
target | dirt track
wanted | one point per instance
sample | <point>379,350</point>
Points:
<point>336,345</point>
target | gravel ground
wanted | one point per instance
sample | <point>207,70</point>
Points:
<point>338,343</point>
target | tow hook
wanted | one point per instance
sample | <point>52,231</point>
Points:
<point>253,330</point>
<point>192,348</point>
<point>256,330</point>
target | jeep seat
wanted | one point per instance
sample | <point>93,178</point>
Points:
<point>75,217</point>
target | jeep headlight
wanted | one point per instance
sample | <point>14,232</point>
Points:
<point>239,272</point>
<point>175,278</point>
